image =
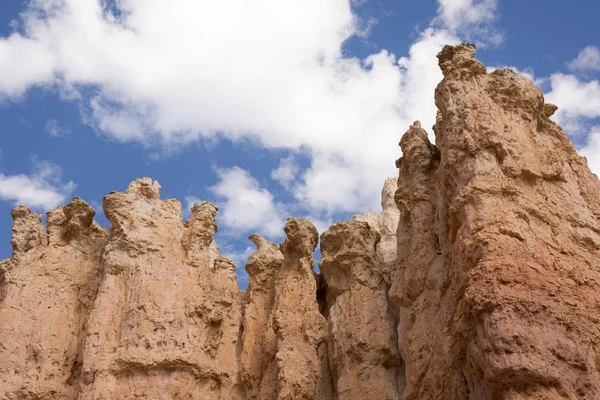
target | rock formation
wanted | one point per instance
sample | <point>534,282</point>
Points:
<point>479,280</point>
<point>386,223</point>
<point>283,328</point>
<point>361,337</point>
<point>497,281</point>
<point>166,319</point>
<point>47,291</point>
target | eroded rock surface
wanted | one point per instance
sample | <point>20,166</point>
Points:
<point>47,290</point>
<point>361,337</point>
<point>166,320</point>
<point>385,223</point>
<point>480,279</point>
<point>283,329</point>
<point>497,282</point>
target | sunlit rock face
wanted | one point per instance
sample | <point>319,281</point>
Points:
<point>479,279</point>
<point>497,280</point>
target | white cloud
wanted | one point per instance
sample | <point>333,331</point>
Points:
<point>53,128</point>
<point>592,150</point>
<point>471,19</point>
<point>24,62</point>
<point>286,172</point>
<point>245,206</point>
<point>577,101</point>
<point>273,73</point>
<point>43,189</point>
<point>587,60</point>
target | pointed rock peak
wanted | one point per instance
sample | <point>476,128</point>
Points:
<point>302,237</point>
<point>204,208</point>
<point>263,263</point>
<point>74,220</point>
<point>369,217</point>
<point>199,233</point>
<point>348,251</point>
<point>80,217</point>
<point>202,221</point>
<point>146,187</point>
<point>416,147</point>
<point>262,244</point>
<point>27,229</point>
<point>387,194</point>
<point>350,236</point>
<point>414,132</point>
<point>23,212</point>
<point>459,60</point>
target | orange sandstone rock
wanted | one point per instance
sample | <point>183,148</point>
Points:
<point>480,279</point>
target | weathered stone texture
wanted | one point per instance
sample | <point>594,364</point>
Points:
<point>385,223</point>
<point>283,328</point>
<point>47,290</point>
<point>478,280</point>
<point>361,337</point>
<point>497,282</point>
<point>166,320</point>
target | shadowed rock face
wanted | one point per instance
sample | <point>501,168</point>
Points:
<point>479,279</point>
<point>361,338</point>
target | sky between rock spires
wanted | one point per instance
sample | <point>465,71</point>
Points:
<point>268,108</point>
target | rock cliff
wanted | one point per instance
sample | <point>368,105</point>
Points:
<point>480,279</point>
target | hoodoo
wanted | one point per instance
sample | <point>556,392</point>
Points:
<point>480,279</point>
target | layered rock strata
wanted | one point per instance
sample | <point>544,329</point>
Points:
<point>479,279</point>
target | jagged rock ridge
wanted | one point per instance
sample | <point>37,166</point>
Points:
<point>479,279</point>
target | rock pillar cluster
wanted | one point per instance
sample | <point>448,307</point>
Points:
<point>480,279</point>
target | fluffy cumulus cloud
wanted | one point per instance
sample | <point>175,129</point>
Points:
<point>165,76</point>
<point>245,206</point>
<point>578,101</point>
<point>472,20</point>
<point>587,60</point>
<point>286,172</point>
<point>42,189</point>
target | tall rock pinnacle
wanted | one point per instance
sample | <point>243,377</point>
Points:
<point>478,280</point>
<point>497,284</point>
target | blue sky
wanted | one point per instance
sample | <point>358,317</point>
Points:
<point>269,109</point>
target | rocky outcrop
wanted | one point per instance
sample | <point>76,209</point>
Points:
<point>385,223</point>
<point>47,291</point>
<point>166,319</point>
<point>259,340</point>
<point>478,280</point>
<point>283,328</point>
<point>497,284</point>
<point>361,338</point>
